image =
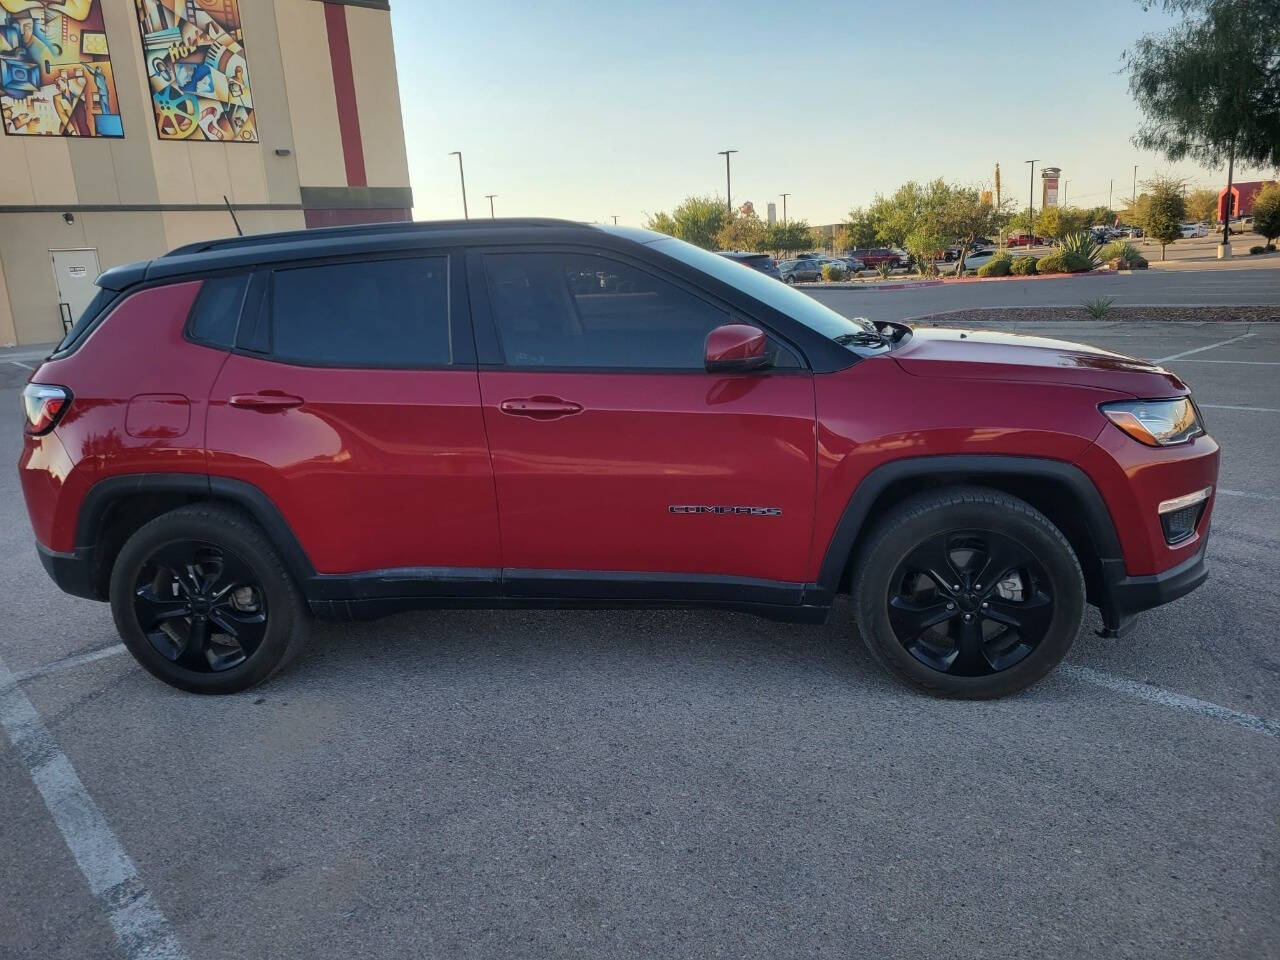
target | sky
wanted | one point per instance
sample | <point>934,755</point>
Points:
<point>588,111</point>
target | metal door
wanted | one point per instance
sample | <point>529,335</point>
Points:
<point>74,272</point>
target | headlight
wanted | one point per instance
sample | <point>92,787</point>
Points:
<point>1157,423</point>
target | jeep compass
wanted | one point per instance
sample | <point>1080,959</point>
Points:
<point>353,421</point>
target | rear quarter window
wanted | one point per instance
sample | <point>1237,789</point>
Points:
<point>216,312</point>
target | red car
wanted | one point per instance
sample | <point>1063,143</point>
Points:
<point>360,420</point>
<point>1024,240</point>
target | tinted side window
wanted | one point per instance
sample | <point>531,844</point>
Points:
<point>375,313</point>
<point>217,310</point>
<point>578,310</point>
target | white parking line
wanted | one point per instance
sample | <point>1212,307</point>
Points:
<point>22,676</point>
<point>1212,346</point>
<point>25,366</point>
<point>1246,494</point>
<point>1250,363</point>
<point>1232,406</point>
<point>141,928</point>
<point>1177,701</point>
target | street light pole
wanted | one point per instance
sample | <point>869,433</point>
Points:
<point>462,178</point>
<point>1065,184</point>
<point>784,208</point>
<point>1134,201</point>
<point>615,219</point>
<point>1031,204</point>
<point>489,197</point>
<point>728,184</point>
<point>1110,190</point>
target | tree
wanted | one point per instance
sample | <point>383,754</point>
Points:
<point>966,216</point>
<point>859,230</point>
<point>1209,87</point>
<point>1098,216</point>
<point>1266,213</point>
<point>898,215</point>
<point>742,231</point>
<point>1202,205</point>
<point>784,238</point>
<point>696,220</point>
<point>1165,210</point>
<point>1059,222</point>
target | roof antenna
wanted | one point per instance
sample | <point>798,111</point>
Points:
<point>231,210</point>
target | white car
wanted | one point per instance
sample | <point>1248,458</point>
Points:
<point>1190,230</point>
<point>972,261</point>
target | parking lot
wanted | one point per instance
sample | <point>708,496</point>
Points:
<point>660,783</point>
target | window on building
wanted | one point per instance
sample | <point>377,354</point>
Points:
<point>376,313</point>
<point>578,310</point>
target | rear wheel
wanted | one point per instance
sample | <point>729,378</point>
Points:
<point>968,592</point>
<point>204,602</point>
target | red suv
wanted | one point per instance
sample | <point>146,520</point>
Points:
<point>355,421</point>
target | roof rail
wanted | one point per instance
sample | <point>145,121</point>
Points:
<point>366,229</point>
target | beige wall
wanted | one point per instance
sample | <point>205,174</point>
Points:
<point>291,79</point>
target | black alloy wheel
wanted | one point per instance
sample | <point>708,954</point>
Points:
<point>970,602</point>
<point>200,606</point>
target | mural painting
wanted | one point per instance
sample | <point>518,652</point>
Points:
<point>195,58</point>
<point>55,70</point>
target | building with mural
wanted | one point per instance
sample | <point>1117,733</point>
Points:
<point>127,122</point>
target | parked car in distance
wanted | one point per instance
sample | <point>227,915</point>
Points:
<point>972,261</point>
<point>1024,240</point>
<point>355,421</point>
<point>872,257</point>
<point>1193,230</point>
<point>800,270</point>
<point>853,264</point>
<point>756,261</point>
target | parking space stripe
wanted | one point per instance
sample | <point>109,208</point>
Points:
<point>1232,406</point>
<point>1212,346</point>
<point>141,928</point>
<point>66,662</point>
<point>24,366</point>
<point>1176,701</point>
<point>1250,363</point>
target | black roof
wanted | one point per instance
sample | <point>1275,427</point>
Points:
<point>232,252</point>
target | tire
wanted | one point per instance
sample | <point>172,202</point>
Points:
<point>188,580</point>
<point>968,645</point>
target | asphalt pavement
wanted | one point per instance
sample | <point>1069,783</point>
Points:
<point>663,784</point>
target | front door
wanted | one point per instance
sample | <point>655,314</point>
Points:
<point>352,403</point>
<point>614,450</point>
<point>74,272</point>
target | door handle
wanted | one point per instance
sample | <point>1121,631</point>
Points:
<point>266,401</point>
<point>540,408</point>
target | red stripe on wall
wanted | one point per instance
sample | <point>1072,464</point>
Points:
<point>344,87</point>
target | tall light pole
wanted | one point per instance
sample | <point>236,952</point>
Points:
<point>728,183</point>
<point>615,219</point>
<point>1135,185</point>
<point>489,197</point>
<point>1031,204</point>
<point>462,178</point>
<point>1065,184</point>
<point>1110,190</point>
<point>784,208</point>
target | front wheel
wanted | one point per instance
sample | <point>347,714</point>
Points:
<point>968,592</point>
<point>203,600</point>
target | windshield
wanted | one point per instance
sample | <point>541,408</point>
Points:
<point>799,306</point>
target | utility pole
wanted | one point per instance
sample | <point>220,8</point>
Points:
<point>1110,190</point>
<point>784,208</point>
<point>1031,204</point>
<point>1065,184</point>
<point>462,178</point>
<point>489,197</point>
<point>615,219</point>
<point>728,184</point>
<point>1134,201</point>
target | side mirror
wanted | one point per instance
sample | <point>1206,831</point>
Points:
<point>735,347</point>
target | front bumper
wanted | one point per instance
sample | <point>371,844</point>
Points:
<point>1129,596</point>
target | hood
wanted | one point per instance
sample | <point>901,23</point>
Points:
<point>992,355</point>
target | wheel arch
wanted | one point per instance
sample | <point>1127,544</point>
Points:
<point>117,506</point>
<point>1059,490</point>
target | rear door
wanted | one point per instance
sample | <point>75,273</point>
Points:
<point>352,402</point>
<point>617,458</point>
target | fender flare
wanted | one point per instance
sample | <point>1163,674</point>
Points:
<point>203,486</point>
<point>971,468</point>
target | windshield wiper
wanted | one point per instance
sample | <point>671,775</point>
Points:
<point>863,338</point>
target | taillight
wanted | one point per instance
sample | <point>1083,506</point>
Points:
<point>45,405</point>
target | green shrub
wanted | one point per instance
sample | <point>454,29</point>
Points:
<point>997,266</point>
<point>1120,250</point>
<point>884,270</point>
<point>1023,266</point>
<point>1051,263</point>
<point>834,272</point>
<point>1256,250</point>
<point>1098,308</point>
<point>1080,252</point>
